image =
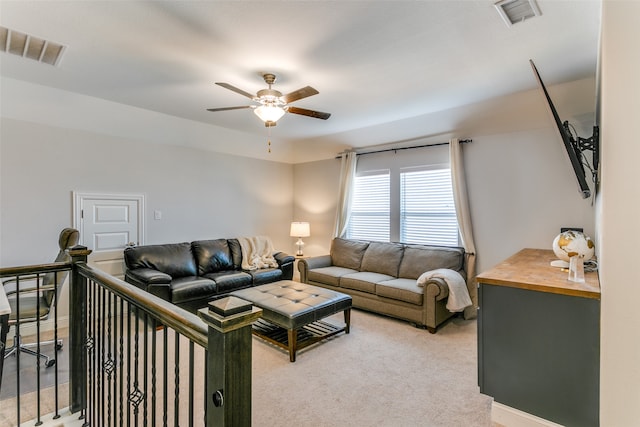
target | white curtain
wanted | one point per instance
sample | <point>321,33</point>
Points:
<point>464,221</point>
<point>347,178</point>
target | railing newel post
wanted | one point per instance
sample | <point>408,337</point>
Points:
<point>229,356</point>
<point>77,330</point>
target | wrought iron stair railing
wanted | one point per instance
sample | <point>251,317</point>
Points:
<point>135,359</point>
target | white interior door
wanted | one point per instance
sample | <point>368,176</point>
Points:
<point>107,224</point>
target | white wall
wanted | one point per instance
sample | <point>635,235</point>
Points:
<point>201,194</point>
<point>315,188</point>
<point>618,214</point>
<point>522,188</point>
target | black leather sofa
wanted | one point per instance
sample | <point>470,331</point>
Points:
<point>190,275</point>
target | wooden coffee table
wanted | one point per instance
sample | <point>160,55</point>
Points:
<point>292,313</point>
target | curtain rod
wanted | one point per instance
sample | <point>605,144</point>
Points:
<point>462,141</point>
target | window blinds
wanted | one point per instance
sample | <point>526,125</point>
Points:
<point>427,209</point>
<point>370,212</point>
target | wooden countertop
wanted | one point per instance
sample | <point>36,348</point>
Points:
<point>530,269</point>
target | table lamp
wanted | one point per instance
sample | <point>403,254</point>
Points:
<point>300,230</point>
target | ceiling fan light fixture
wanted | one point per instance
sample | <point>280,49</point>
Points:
<point>272,104</point>
<point>269,113</point>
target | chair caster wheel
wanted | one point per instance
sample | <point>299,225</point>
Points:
<point>59,346</point>
<point>50,363</point>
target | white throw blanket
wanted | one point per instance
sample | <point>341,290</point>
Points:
<point>257,252</point>
<point>458,293</point>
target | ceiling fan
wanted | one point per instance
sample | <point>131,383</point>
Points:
<point>272,104</point>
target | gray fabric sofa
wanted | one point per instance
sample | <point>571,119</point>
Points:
<point>382,277</point>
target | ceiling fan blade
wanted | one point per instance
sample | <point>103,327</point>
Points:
<point>236,90</point>
<point>229,108</point>
<point>310,113</point>
<point>299,94</point>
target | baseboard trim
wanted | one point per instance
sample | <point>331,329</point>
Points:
<point>511,417</point>
<point>67,419</point>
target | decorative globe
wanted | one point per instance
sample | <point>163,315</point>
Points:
<point>571,243</point>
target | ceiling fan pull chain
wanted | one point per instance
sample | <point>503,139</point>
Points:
<point>269,138</point>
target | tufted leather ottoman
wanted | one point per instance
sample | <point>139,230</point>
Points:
<point>292,313</point>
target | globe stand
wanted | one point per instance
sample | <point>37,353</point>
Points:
<point>576,269</point>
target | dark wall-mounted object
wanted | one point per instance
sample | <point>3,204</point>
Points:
<point>574,147</point>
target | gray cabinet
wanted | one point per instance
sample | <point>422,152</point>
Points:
<point>539,339</point>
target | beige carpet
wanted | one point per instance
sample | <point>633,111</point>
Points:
<point>384,373</point>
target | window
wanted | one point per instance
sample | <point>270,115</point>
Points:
<point>427,209</point>
<point>408,205</point>
<point>370,211</point>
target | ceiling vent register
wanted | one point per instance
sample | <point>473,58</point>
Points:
<point>515,11</point>
<point>30,47</point>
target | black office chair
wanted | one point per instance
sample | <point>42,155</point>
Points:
<point>31,300</point>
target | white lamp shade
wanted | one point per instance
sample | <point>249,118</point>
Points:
<point>269,113</point>
<point>300,229</point>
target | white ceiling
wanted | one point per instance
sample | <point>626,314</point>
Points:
<point>375,63</point>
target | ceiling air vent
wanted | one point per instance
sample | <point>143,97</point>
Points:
<point>514,11</point>
<point>31,47</point>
